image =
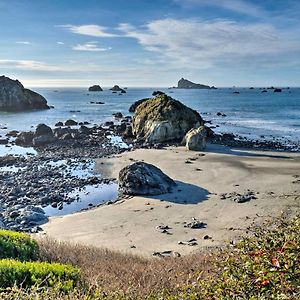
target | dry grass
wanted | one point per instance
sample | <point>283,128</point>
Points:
<point>134,275</point>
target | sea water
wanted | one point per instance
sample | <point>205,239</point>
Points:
<point>250,113</point>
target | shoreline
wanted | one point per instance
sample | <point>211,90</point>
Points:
<point>207,183</point>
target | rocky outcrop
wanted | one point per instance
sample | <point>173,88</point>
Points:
<point>144,179</point>
<point>186,84</point>
<point>162,119</point>
<point>116,88</point>
<point>95,88</point>
<point>14,97</point>
<point>195,139</point>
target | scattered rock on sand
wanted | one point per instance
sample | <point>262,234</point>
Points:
<point>239,198</point>
<point>142,178</point>
<point>195,224</point>
<point>163,119</point>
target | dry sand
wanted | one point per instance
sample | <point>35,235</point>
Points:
<point>220,170</point>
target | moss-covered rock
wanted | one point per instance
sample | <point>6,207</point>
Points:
<point>163,119</point>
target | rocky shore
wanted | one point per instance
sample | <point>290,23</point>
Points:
<point>29,183</point>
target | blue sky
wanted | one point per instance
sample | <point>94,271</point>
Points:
<point>150,43</point>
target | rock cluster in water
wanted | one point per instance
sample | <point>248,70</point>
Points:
<point>14,97</point>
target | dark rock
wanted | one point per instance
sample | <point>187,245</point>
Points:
<point>25,138</point>
<point>128,132</point>
<point>118,115</point>
<point>43,129</point>
<point>3,141</point>
<point>14,97</point>
<point>43,140</point>
<point>58,124</point>
<point>277,90</point>
<point>142,178</point>
<point>186,84</point>
<point>70,123</point>
<point>85,130</point>
<point>116,88</point>
<point>95,88</point>
<point>13,133</point>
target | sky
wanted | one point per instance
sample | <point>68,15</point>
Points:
<point>150,43</point>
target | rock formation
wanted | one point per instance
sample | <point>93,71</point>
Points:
<point>144,179</point>
<point>14,97</point>
<point>186,84</point>
<point>163,119</point>
<point>95,88</point>
<point>195,139</point>
<point>116,88</point>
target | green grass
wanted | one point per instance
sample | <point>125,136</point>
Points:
<point>27,274</point>
<point>17,245</point>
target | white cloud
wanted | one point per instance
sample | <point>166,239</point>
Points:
<point>92,47</point>
<point>60,43</point>
<point>204,43</point>
<point>238,6</point>
<point>31,65</point>
<point>90,30</point>
<point>23,42</point>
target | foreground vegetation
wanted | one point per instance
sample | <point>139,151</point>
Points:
<point>264,266</point>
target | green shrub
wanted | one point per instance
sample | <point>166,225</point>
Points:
<point>17,245</point>
<point>27,274</point>
<point>266,266</point>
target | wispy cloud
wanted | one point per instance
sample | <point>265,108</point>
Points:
<point>90,30</point>
<point>92,47</point>
<point>30,65</point>
<point>23,42</point>
<point>60,43</point>
<point>237,6</point>
<point>205,43</point>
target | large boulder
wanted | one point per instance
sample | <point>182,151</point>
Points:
<point>195,139</point>
<point>25,138</point>
<point>43,129</point>
<point>162,119</point>
<point>14,97</point>
<point>142,178</point>
<point>186,84</point>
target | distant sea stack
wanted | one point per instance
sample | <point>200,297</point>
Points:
<point>186,84</point>
<point>95,88</point>
<point>116,88</point>
<point>14,97</point>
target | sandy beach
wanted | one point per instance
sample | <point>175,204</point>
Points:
<point>130,225</point>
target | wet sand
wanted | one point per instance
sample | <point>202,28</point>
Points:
<point>202,177</point>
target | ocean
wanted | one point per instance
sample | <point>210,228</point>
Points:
<point>250,113</point>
